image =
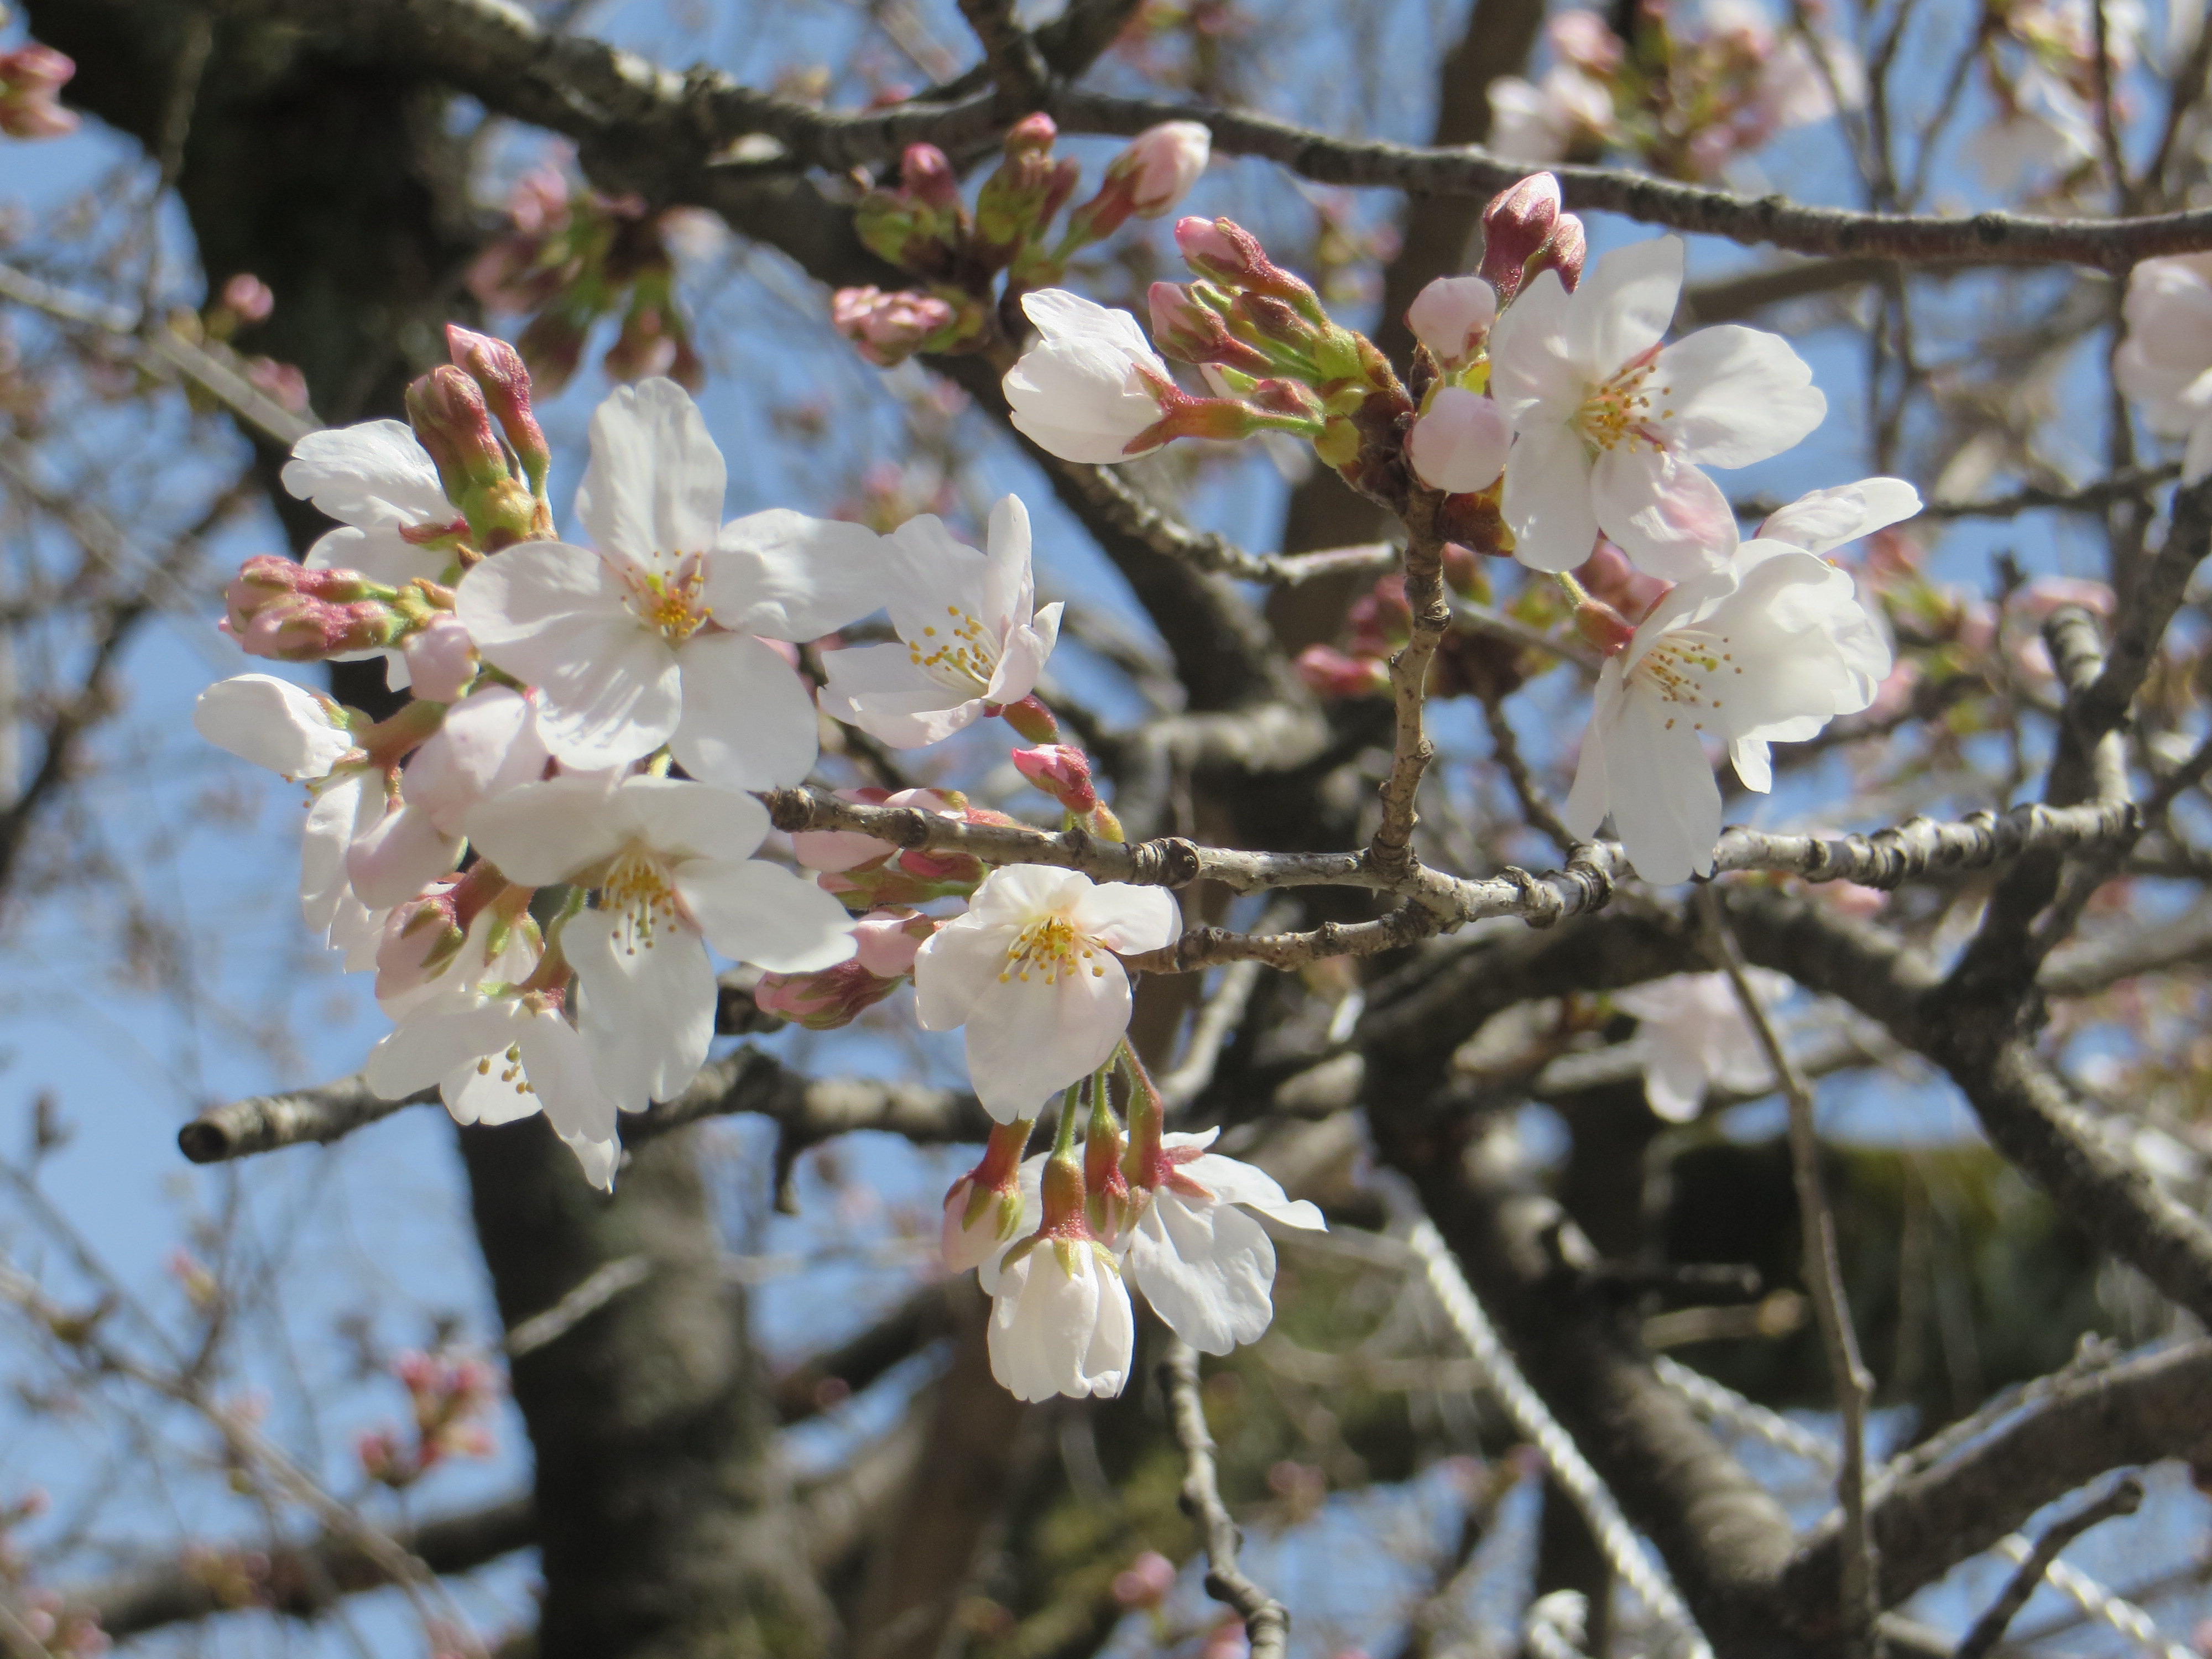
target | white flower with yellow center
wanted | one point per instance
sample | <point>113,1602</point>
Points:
<point>673,867</point>
<point>1769,649</point>
<point>661,634</point>
<point>1031,971</point>
<point>967,641</point>
<point>1611,427</point>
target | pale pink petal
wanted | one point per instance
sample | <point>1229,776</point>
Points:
<point>764,915</point>
<point>401,855</point>
<point>1670,518</point>
<point>374,474</point>
<point>1125,917</point>
<point>648,1013</point>
<point>542,833</point>
<point>1737,395</point>
<point>1027,647</point>
<point>747,720</point>
<point>1623,305</point>
<point>954,967</point>
<point>1547,503</point>
<point>785,576</point>
<point>878,689</point>
<point>1460,445</point>
<point>653,492</point>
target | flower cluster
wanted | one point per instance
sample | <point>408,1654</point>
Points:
<point>1685,94</point>
<point>1550,412</point>
<point>1057,1239</point>
<point>448,1399</point>
<point>573,256</point>
<point>925,227</point>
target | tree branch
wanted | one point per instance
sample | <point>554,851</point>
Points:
<point>1266,1625</point>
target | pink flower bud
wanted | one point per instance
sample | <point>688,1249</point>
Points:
<point>1460,445</point>
<point>1565,253</point>
<point>1217,248</point>
<point>1602,626</point>
<point>1191,331</point>
<point>421,938</point>
<point>503,377</point>
<point>279,610</point>
<point>1516,226</point>
<point>1334,674</point>
<point>826,1000</point>
<point>887,329</point>
<point>884,942</point>
<point>1160,164</point>
<point>1145,1582</point>
<point>449,413</point>
<point>441,660</point>
<point>929,177</point>
<point>1032,134</point>
<point>1607,575</point>
<point>249,297</point>
<point>1451,315</point>
<point>1030,718</point>
<point>282,382</point>
<point>1061,771</point>
<point>837,850</point>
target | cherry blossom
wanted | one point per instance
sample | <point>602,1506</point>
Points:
<point>275,723</point>
<point>2165,364</point>
<point>673,863</point>
<point>1460,443</point>
<point>1548,120</point>
<point>1029,971</point>
<point>1207,1268</point>
<point>497,1056</point>
<point>662,636</point>
<point>381,484</point>
<point>1451,315</point>
<point>1768,650</point>
<point>1692,1037</point>
<point>970,638</point>
<point>1060,1318</point>
<point>1090,385</point>
<point>1611,428</point>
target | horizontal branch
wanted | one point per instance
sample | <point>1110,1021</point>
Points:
<point>592,92</point>
<point>1127,510</point>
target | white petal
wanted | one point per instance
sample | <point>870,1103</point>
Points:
<point>617,700</point>
<point>1666,806</point>
<point>878,689</point>
<point>654,489</point>
<point>1127,918</point>
<point>1753,763</point>
<point>1023,658</point>
<point>272,723</point>
<point>648,1013</point>
<point>1670,518</point>
<point>433,1038</point>
<point>1009,587</point>
<point>1113,1337</point>
<point>1530,374</point>
<point>1233,1182</point>
<point>1591,796</point>
<point>954,967</point>
<point>542,833</point>
<point>693,820</point>
<point>1623,305</point>
<point>747,720</point>
<point>379,553</point>
<point>1827,518</point>
<point>1028,1040</point>
<point>1207,1269</point>
<point>403,854</point>
<point>1738,395</point>
<point>1547,502</point>
<point>785,576</point>
<point>760,914</point>
<point>559,1068</point>
<point>376,473</point>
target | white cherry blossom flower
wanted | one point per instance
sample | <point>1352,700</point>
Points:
<point>673,866</point>
<point>497,1056</point>
<point>1692,1037</point>
<point>1611,428</point>
<point>1060,1322</point>
<point>1090,386</point>
<point>1031,971</point>
<point>661,634</point>
<point>2165,364</point>
<point>969,634</point>
<point>1770,648</point>
<point>1207,1268</point>
<point>1545,120</point>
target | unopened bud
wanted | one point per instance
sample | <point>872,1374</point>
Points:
<point>1608,576</point>
<point>1061,771</point>
<point>826,1000</point>
<point>1516,226</point>
<point>1458,445</point>
<point>1232,256</point>
<point>249,297</point>
<point>1160,164</point>
<point>450,416</point>
<point>1451,315</point>
<point>929,177</point>
<point>1031,135</point>
<point>885,942</point>
<point>1334,674</point>
<point>1604,627</point>
<point>887,329</point>
<point>421,939</point>
<point>1030,718</point>
<point>504,378</point>
<point>1021,195</point>
<point>279,610</point>
<point>30,77</point>
<point>441,660</point>
<point>1565,253</point>
<point>1188,330</point>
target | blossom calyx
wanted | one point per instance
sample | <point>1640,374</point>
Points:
<point>1523,232</point>
<point>504,378</point>
<point>1030,718</point>
<point>1021,195</point>
<point>450,416</point>
<point>983,1208</point>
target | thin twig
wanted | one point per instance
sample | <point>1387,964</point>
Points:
<point>2125,1498</point>
<point>600,1287</point>
<point>1266,1623</point>
<point>1823,1277</point>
